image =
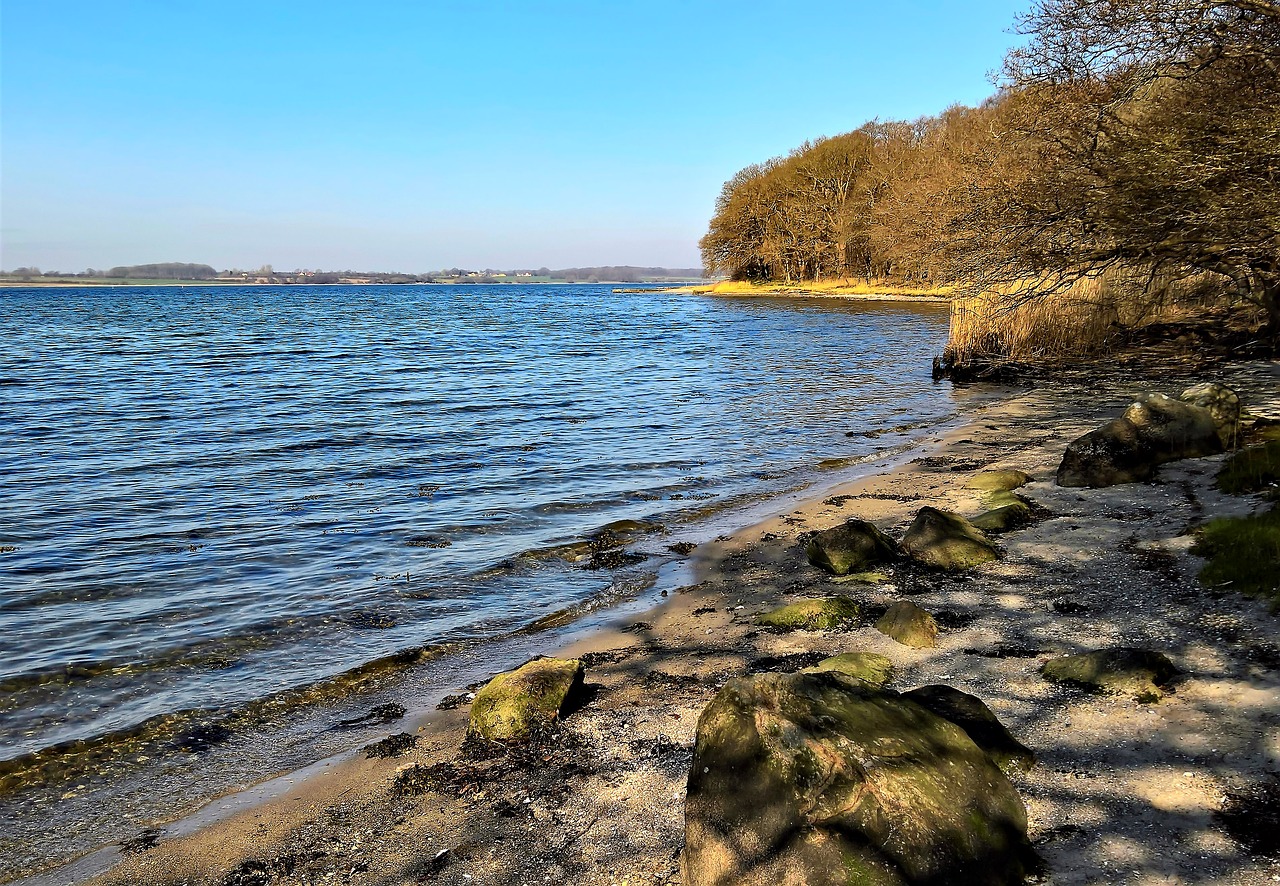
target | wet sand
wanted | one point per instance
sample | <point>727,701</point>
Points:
<point>1122,793</point>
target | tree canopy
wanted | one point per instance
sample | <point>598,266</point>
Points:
<point>1140,136</point>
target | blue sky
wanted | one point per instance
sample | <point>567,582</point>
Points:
<point>415,136</point>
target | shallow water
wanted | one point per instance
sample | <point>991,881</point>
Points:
<point>216,494</point>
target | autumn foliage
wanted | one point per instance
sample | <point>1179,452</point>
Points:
<point>1136,141</point>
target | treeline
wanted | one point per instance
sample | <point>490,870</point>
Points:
<point>171,270</point>
<point>1134,138</point>
<point>623,274</point>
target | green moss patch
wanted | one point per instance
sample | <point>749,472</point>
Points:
<point>813,615</point>
<point>1142,673</point>
<point>512,706</point>
<point>999,481</point>
<point>868,667</point>
<point>1256,469</point>
<point>1243,553</point>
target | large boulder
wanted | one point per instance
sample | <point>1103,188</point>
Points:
<point>1142,673</point>
<point>515,705</point>
<point>816,779</point>
<point>854,546</point>
<point>1154,429</point>
<point>1223,404</point>
<point>972,715</point>
<point>910,625</point>
<point>947,541</point>
<point>821,614</point>
<point>869,667</point>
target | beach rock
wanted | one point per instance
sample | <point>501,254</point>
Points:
<point>1223,404</point>
<point>817,779</point>
<point>909,625</point>
<point>947,541</point>
<point>975,718</point>
<point>1153,430</point>
<point>822,614</point>
<point>999,481</point>
<point>869,667</point>
<point>853,546</point>
<point>513,705</point>
<point>1141,673</point>
<point>1008,511</point>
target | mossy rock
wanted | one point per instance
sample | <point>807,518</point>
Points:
<point>909,625</point>
<point>1256,469</point>
<point>999,481</point>
<point>1243,554</point>
<point>1141,673</point>
<point>853,546</point>
<point>514,705</point>
<point>820,779</point>
<point>1008,511</point>
<point>947,541</point>
<point>822,614</point>
<point>972,715</point>
<point>868,667</point>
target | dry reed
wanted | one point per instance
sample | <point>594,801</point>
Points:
<point>1090,317</point>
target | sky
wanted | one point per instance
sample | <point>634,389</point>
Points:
<point>415,136</point>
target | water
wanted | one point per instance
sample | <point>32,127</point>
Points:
<point>213,495</point>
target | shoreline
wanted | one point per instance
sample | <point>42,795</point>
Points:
<point>625,754</point>
<point>411,670</point>
<point>856,291</point>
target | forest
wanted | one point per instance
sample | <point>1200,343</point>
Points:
<point>1135,142</point>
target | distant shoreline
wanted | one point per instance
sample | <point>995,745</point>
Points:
<point>673,285</point>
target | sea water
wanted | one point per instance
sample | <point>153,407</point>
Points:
<point>216,495</point>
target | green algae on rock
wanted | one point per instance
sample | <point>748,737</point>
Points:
<point>821,614</point>
<point>820,779</point>
<point>1123,670</point>
<point>869,667</point>
<point>513,705</point>
<point>999,481</point>
<point>972,715</point>
<point>947,541</point>
<point>853,546</point>
<point>910,625</point>
<point>1007,511</point>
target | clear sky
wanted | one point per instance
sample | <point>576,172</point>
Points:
<point>419,135</point>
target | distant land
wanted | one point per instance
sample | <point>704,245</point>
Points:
<point>170,273</point>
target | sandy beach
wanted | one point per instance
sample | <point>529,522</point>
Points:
<point>1122,792</point>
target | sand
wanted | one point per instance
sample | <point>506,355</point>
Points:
<point>1123,792</point>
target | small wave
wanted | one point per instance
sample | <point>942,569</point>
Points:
<point>172,732</point>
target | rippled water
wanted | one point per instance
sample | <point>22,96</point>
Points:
<point>212,494</point>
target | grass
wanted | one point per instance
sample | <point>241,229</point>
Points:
<point>1256,469</point>
<point>1243,553</point>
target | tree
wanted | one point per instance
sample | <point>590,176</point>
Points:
<point>1147,133</point>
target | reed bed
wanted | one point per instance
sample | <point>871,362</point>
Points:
<point>1090,317</point>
